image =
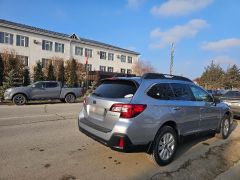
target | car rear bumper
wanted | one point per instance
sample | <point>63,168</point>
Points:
<point>116,140</point>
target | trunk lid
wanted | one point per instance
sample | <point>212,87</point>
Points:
<point>98,104</point>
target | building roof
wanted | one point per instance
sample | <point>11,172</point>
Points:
<point>37,30</point>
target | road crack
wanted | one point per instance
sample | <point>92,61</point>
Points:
<point>215,161</point>
<point>63,117</point>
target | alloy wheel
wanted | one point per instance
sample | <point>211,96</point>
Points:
<point>166,146</point>
<point>19,99</point>
<point>70,98</point>
<point>226,127</point>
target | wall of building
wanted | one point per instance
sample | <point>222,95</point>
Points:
<point>96,62</point>
<point>34,51</point>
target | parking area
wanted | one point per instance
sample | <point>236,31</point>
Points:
<point>42,141</point>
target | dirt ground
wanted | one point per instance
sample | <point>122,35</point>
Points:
<point>43,142</point>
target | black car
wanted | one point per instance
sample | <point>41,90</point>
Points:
<point>232,98</point>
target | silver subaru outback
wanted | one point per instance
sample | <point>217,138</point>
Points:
<point>153,111</point>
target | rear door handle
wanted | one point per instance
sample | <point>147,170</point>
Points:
<point>176,108</point>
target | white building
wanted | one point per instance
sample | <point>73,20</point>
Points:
<point>34,44</point>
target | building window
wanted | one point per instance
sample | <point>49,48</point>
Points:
<point>22,41</point>
<point>78,51</point>
<point>110,69</point>
<point>123,58</point>
<point>45,62</point>
<point>47,45</point>
<point>123,71</point>
<point>88,67</point>
<point>102,68</point>
<point>110,56</point>
<point>129,59</point>
<point>88,52</point>
<point>59,47</point>
<point>24,59</point>
<point>129,71</point>
<point>6,38</point>
<point>103,55</point>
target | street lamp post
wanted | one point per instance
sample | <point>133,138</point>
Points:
<point>172,58</point>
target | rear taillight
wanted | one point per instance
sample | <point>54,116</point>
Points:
<point>128,110</point>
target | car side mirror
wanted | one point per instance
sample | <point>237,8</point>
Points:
<point>33,85</point>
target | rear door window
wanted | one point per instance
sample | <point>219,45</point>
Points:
<point>182,92</point>
<point>51,84</point>
<point>161,91</point>
<point>116,89</point>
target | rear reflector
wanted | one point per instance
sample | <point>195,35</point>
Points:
<point>121,142</point>
<point>128,110</point>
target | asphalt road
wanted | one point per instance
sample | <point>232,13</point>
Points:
<point>43,142</point>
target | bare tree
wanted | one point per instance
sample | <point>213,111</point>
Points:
<point>142,67</point>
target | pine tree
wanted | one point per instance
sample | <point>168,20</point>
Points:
<point>38,72</point>
<point>12,61</point>
<point>74,73</point>
<point>71,73</point>
<point>50,73</point>
<point>232,77</point>
<point>1,70</point>
<point>212,77</point>
<point>9,79</point>
<point>26,77</point>
<point>60,73</point>
<point>8,83</point>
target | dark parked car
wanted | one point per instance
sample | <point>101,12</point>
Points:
<point>232,98</point>
<point>216,93</point>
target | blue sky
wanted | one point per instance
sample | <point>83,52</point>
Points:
<point>203,30</point>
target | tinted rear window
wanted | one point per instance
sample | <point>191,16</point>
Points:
<point>115,89</point>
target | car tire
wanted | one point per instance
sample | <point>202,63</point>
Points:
<point>19,99</point>
<point>225,127</point>
<point>166,139</point>
<point>70,98</point>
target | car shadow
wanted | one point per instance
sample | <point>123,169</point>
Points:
<point>193,140</point>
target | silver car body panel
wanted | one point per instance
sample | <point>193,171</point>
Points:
<point>189,116</point>
<point>38,93</point>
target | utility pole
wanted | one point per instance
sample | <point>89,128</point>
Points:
<point>172,58</point>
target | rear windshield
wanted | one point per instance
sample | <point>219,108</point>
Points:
<point>116,89</point>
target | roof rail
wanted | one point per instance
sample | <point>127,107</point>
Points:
<point>164,76</point>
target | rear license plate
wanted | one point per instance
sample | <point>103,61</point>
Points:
<point>97,112</point>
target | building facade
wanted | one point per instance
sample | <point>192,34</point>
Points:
<point>34,44</point>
